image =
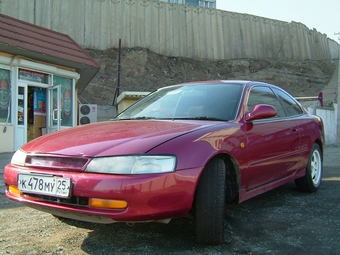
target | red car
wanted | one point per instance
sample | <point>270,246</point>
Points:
<point>187,148</point>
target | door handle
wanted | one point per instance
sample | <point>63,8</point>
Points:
<point>55,114</point>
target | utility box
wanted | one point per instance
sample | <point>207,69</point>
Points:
<point>87,113</point>
<point>127,98</point>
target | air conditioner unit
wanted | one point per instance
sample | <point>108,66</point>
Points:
<point>87,113</point>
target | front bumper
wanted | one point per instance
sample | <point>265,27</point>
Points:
<point>151,197</point>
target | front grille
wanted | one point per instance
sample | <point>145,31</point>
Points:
<point>79,201</point>
<point>56,162</point>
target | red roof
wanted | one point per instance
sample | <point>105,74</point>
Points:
<point>38,43</point>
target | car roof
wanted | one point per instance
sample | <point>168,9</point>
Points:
<point>245,83</point>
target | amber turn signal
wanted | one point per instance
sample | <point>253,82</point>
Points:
<point>14,190</point>
<point>107,203</point>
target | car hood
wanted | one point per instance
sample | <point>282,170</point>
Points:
<point>113,137</point>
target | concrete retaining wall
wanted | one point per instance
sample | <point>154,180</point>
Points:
<point>329,117</point>
<point>174,29</point>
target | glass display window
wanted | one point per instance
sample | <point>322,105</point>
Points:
<point>5,96</point>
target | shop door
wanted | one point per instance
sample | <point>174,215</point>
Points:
<point>54,109</point>
<point>21,116</point>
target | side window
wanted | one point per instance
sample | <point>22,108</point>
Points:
<point>264,95</point>
<point>290,107</point>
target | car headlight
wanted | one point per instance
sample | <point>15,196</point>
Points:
<point>19,158</point>
<point>146,164</point>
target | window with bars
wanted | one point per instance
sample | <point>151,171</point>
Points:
<point>208,4</point>
<point>204,3</point>
<point>192,2</point>
<point>176,1</point>
<point>172,1</point>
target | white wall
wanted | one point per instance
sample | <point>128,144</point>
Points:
<point>330,120</point>
<point>106,112</point>
<point>6,138</point>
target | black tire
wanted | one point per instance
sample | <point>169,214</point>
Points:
<point>209,207</point>
<point>312,180</point>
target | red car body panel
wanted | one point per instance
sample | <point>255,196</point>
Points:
<point>266,154</point>
<point>149,197</point>
<point>111,138</point>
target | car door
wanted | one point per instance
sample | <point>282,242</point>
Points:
<point>272,144</point>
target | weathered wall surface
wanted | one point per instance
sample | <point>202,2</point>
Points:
<point>174,29</point>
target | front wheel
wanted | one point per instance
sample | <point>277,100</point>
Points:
<point>209,208</point>
<point>312,180</point>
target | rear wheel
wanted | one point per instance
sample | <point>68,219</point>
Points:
<point>312,180</point>
<point>210,203</point>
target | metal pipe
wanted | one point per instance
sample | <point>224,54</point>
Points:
<point>319,97</point>
<point>119,53</point>
<point>116,94</point>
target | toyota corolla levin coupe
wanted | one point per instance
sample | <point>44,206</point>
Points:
<point>190,148</point>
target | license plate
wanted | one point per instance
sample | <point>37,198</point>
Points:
<point>45,185</point>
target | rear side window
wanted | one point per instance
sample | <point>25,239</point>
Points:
<point>289,105</point>
<point>264,95</point>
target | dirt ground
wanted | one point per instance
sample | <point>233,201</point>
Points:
<point>143,70</point>
<point>282,221</point>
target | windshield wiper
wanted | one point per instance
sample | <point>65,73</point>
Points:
<point>204,118</point>
<point>136,118</point>
<point>143,118</point>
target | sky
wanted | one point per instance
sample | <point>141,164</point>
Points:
<point>323,15</point>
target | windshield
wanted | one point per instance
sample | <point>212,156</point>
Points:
<point>201,101</point>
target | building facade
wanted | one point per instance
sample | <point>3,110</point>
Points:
<point>41,73</point>
<point>203,3</point>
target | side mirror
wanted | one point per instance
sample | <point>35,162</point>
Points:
<point>261,111</point>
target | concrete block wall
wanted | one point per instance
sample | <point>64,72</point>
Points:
<point>174,29</point>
